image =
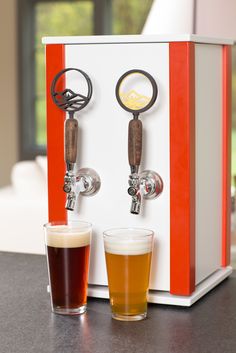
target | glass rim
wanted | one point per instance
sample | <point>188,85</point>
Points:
<point>69,224</point>
<point>148,232</point>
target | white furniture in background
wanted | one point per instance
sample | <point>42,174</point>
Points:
<point>23,208</point>
<point>168,16</point>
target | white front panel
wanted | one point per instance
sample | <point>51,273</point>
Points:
<point>208,159</point>
<point>103,147</point>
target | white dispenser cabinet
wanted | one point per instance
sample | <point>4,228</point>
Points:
<point>186,140</point>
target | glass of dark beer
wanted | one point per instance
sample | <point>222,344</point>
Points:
<point>128,259</point>
<point>67,250</point>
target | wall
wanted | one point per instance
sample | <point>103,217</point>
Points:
<point>216,18</point>
<point>8,90</point>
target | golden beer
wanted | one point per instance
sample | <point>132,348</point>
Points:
<point>128,260</point>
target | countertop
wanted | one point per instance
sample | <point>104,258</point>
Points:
<point>27,324</point>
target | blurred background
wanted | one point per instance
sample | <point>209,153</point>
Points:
<point>22,67</point>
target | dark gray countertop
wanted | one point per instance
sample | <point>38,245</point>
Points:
<point>27,324</point>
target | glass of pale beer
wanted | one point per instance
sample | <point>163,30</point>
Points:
<point>128,259</point>
<point>67,250</point>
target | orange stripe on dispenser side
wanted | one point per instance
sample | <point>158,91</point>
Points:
<point>226,167</point>
<point>182,168</point>
<point>55,62</point>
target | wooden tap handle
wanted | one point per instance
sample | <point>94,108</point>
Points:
<point>71,138</point>
<point>135,142</point>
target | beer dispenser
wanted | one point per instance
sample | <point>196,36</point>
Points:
<point>178,90</point>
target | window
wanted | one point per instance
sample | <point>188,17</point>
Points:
<point>38,18</point>
<point>129,16</point>
<point>61,18</point>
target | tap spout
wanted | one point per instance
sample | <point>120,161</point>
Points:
<point>136,203</point>
<point>135,192</point>
<point>70,201</point>
<point>69,188</point>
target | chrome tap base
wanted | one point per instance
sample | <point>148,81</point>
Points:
<point>88,181</point>
<point>151,184</point>
<point>148,185</point>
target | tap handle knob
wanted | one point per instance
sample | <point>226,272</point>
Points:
<point>135,142</point>
<point>71,138</point>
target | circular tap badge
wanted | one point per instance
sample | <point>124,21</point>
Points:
<point>77,96</point>
<point>136,91</point>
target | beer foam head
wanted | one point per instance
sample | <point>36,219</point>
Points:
<point>65,236</point>
<point>130,241</point>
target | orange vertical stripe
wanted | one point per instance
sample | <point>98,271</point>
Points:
<point>226,168</point>
<point>55,61</point>
<point>182,168</point>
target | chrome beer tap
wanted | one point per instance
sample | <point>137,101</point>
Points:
<point>86,182</point>
<point>147,184</point>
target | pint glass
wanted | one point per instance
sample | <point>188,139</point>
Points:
<point>128,259</point>
<point>67,250</point>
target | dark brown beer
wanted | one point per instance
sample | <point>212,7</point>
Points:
<point>68,269</point>
<point>68,266</point>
